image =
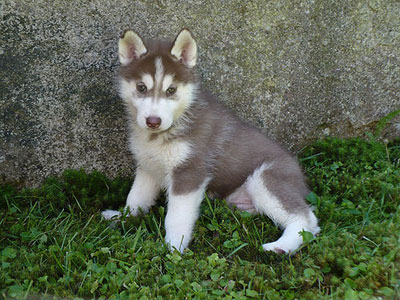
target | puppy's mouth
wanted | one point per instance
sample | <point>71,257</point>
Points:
<point>155,130</point>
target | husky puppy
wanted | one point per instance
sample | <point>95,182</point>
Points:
<point>186,143</point>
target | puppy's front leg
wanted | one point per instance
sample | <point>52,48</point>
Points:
<point>183,211</point>
<point>144,191</point>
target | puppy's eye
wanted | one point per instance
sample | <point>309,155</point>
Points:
<point>171,90</point>
<point>141,87</point>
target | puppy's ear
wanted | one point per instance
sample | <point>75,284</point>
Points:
<point>184,48</point>
<point>130,47</point>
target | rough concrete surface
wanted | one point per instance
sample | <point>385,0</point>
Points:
<point>297,69</point>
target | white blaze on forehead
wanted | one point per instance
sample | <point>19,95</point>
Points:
<point>159,72</point>
<point>147,79</point>
<point>167,81</point>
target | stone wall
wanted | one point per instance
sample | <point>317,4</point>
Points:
<point>297,69</point>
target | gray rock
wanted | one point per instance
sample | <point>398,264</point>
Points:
<point>299,70</point>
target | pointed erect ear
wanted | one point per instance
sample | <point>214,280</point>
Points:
<point>185,48</point>
<point>130,47</point>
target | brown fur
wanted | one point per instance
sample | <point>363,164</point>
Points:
<point>229,150</point>
<point>146,65</point>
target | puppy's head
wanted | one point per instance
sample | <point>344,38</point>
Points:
<point>157,81</point>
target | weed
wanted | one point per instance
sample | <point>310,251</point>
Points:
<point>54,242</point>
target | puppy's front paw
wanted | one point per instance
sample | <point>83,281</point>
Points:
<point>175,242</point>
<point>111,214</point>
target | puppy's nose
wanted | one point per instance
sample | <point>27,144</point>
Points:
<point>153,122</point>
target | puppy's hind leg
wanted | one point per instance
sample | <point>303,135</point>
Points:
<point>291,238</point>
<point>281,198</point>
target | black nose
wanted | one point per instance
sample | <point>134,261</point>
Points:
<point>153,122</point>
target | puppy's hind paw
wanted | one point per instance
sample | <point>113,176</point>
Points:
<point>273,247</point>
<point>282,246</point>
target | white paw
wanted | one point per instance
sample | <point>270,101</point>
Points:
<point>283,246</point>
<point>291,238</point>
<point>111,214</point>
<point>133,211</point>
<point>176,243</point>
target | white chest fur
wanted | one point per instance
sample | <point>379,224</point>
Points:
<point>158,155</point>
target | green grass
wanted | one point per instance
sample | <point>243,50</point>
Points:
<point>54,244</point>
